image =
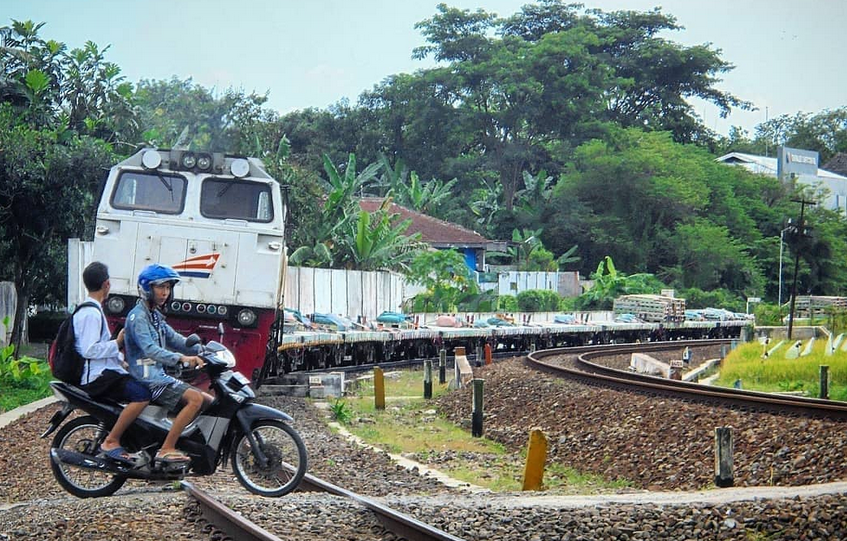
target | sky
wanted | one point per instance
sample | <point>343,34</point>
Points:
<point>789,56</point>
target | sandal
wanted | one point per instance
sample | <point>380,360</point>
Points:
<point>173,456</point>
<point>118,454</point>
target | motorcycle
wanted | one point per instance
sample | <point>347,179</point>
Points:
<point>267,454</point>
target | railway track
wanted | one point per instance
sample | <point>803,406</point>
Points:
<point>586,364</point>
<point>239,528</point>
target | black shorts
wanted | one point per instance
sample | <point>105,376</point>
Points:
<point>118,387</point>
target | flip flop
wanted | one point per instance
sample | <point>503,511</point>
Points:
<point>118,454</point>
<point>173,456</point>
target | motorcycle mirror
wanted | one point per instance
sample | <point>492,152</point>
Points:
<point>192,340</point>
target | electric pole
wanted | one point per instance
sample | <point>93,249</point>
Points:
<point>800,232</point>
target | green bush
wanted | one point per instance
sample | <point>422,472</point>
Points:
<point>507,303</point>
<point>44,326</point>
<point>768,314</point>
<point>718,298</point>
<point>22,380</point>
<point>567,304</point>
<point>538,300</point>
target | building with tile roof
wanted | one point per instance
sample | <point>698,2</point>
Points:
<point>441,234</point>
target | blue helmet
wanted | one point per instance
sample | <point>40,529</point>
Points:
<point>155,274</point>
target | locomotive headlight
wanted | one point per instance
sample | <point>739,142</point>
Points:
<point>239,167</point>
<point>188,160</point>
<point>151,159</point>
<point>115,305</point>
<point>175,306</point>
<point>246,317</point>
<point>204,162</point>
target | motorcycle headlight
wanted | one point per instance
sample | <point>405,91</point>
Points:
<point>227,357</point>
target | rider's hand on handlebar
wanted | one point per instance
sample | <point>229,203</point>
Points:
<point>192,361</point>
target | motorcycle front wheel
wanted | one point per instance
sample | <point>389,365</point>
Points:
<point>83,435</point>
<point>286,455</point>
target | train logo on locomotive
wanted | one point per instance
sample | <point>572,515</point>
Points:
<point>199,266</point>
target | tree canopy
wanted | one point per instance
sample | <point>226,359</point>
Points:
<point>569,126</point>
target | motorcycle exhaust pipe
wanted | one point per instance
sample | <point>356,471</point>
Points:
<point>80,460</point>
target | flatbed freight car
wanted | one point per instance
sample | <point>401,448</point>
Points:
<point>314,350</point>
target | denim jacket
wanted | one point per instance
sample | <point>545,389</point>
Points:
<point>142,341</point>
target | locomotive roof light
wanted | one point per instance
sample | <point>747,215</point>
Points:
<point>151,159</point>
<point>188,160</point>
<point>204,162</point>
<point>239,167</point>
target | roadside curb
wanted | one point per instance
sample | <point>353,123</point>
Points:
<point>15,414</point>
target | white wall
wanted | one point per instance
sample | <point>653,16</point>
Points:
<point>347,292</point>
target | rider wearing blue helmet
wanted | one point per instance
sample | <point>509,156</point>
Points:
<point>151,344</point>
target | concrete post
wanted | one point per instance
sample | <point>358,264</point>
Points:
<point>442,366</point>
<point>379,389</point>
<point>459,360</point>
<point>476,418</point>
<point>723,457</point>
<point>427,379</point>
<point>536,457</point>
<point>824,381</point>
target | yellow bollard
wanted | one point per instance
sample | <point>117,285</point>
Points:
<point>536,457</point>
<point>379,389</point>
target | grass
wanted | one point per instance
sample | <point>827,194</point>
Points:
<point>411,426</point>
<point>778,374</point>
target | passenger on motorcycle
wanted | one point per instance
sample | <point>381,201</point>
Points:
<point>151,344</point>
<point>104,375</point>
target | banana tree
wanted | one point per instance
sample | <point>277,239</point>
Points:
<point>375,242</point>
<point>609,284</point>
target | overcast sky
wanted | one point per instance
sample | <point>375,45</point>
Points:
<point>789,55</point>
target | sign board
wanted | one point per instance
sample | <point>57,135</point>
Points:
<point>796,162</point>
<point>676,363</point>
<point>315,381</point>
<point>754,299</point>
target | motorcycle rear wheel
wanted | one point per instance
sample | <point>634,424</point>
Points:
<point>286,452</point>
<point>83,435</point>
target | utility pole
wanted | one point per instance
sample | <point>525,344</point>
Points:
<point>800,232</point>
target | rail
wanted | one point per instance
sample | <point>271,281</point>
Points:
<point>580,367</point>
<point>240,529</point>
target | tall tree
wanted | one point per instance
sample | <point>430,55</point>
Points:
<point>51,101</point>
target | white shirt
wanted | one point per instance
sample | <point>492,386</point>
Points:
<point>92,334</point>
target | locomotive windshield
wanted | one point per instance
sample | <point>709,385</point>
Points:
<point>239,200</point>
<point>149,191</point>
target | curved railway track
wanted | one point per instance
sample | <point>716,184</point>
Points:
<point>239,528</point>
<point>586,364</point>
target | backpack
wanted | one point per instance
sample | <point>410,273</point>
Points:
<point>66,363</point>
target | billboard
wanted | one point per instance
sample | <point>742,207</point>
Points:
<point>793,163</point>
